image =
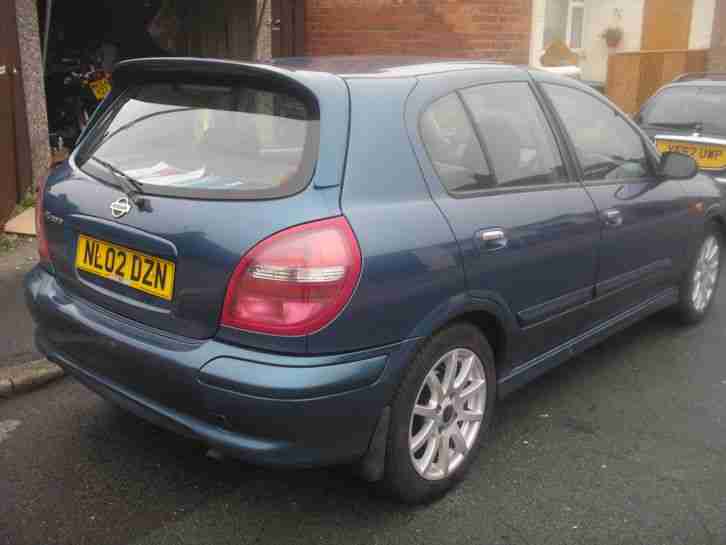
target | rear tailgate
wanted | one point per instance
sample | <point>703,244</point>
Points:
<point>185,241</point>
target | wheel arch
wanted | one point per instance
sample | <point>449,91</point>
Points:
<point>492,329</point>
<point>490,315</point>
<point>716,215</point>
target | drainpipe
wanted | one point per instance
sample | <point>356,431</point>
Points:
<point>257,30</point>
<point>46,36</point>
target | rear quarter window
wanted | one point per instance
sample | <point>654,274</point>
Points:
<point>217,141</point>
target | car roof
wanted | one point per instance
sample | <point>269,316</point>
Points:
<point>314,71</point>
<point>698,83</point>
<point>371,66</point>
<point>695,82</point>
<point>700,79</point>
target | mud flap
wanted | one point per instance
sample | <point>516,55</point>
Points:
<point>373,463</point>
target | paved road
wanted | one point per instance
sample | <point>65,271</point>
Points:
<point>625,445</point>
<point>16,326</point>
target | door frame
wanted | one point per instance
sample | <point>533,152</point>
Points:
<point>572,5</point>
<point>654,28</point>
<point>288,28</point>
<point>21,148</point>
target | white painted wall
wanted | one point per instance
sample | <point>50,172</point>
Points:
<point>628,15</point>
<point>537,36</point>
<point>702,24</point>
<point>599,15</point>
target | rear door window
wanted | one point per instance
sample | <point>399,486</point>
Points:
<point>216,141</point>
<point>516,135</point>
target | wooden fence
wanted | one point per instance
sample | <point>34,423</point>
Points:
<point>633,77</point>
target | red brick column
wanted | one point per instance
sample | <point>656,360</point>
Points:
<point>34,87</point>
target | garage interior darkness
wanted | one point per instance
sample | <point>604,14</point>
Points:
<point>87,37</point>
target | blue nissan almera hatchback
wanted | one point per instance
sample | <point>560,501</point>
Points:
<point>349,260</point>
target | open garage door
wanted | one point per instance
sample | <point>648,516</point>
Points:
<point>81,56</point>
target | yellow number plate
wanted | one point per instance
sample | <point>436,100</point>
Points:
<point>134,269</point>
<point>708,157</point>
<point>100,88</point>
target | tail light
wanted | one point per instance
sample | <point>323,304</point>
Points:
<point>43,249</point>
<point>296,281</point>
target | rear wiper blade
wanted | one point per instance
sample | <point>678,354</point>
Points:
<point>130,185</point>
<point>696,125</point>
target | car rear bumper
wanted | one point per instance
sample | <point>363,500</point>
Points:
<point>260,407</point>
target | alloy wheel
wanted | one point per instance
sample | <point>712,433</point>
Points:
<point>705,274</point>
<point>447,414</point>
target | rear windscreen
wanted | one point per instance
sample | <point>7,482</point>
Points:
<point>227,141</point>
<point>688,105</point>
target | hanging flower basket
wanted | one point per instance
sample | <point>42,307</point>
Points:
<point>612,36</point>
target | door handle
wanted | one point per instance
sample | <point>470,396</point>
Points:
<point>492,239</point>
<point>3,69</point>
<point>613,217</point>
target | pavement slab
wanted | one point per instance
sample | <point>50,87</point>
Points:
<point>16,325</point>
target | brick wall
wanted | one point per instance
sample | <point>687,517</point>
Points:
<point>717,55</point>
<point>490,29</point>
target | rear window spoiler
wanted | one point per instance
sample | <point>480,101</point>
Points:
<point>189,67</point>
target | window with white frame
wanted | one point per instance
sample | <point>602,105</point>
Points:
<point>565,20</point>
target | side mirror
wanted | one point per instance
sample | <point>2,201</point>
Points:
<point>677,166</point>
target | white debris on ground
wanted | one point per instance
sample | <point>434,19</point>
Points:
<point>7,427</point>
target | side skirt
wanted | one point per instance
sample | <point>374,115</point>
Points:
<point>536,367</point>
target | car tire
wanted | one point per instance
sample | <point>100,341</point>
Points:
<point>461,413</point>
<point>700,282</point>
